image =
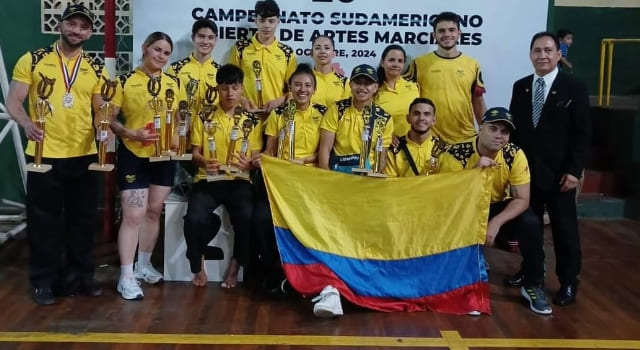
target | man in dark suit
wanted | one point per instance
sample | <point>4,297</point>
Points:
<point>553,127</point>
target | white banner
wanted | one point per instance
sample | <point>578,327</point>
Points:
<point>495,32</point>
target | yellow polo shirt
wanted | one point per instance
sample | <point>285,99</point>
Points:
<point>278,62</point>
<point>330,87</point>
<point>133,99</point>
<point>450,83</point>
<point>222,138</point>
<point>307,134</point>
<point>513,168</point>
<point>396,102</point>
<point>69,132</point>
<point>205,73</point>
<point>347,123</point>
<point>398,164</point>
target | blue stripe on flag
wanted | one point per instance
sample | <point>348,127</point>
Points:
<point>406,278</point>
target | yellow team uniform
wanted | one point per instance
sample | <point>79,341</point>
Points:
<point>330,88</point>
<point>396,102</point>
<point>133,99</point>
<point>513,166</point>
<point>69,131</point>
<point>222,137</point>
<point>278,62</point>
<point>189,67</point>
<point>307,134</point>
<point>346,122</point>
<point>398,164</point>
<point>450,83</point>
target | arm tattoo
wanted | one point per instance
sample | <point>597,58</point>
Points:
<point>136,199</point>
<point>514,191</point>
<point>117,127</point>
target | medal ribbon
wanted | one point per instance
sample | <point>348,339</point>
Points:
<point>69,80</point>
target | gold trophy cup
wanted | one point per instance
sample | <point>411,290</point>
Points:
<point>235,135</point>
<point>247,126</point>
<point>376,171</point>
<point>107,90</point>
<point>366,142</point>
<point>183,128</point>
<point>167,136</point>
<point>42,108</point>
<point>288,134</point>
<point>209,129</point>
<point>192,99</point>
<point>257,72</point>
<point>156,105</point>
<point>433,165</point>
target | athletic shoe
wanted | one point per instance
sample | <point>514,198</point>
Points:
<point>147,273</point>
<point>129,289</point>
<point>327,303</point>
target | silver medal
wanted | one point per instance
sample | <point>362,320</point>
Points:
<point>67,100</point>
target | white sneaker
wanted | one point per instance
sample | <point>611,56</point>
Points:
<point>147,273</point>
<point>327,303</point>
<point>129,289</point>
<point>474,313</point>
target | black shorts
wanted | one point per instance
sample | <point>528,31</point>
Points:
<point>135,172</point>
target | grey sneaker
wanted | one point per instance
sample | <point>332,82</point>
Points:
<point>327,303</point>
<point>537,300</point>
<point>147,273</point>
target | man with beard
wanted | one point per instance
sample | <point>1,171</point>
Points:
<point>452,80</point>
<point>509,212</point>
<point>69,147</point>
<point>412,156</point>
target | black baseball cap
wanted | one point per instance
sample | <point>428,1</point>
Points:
<point>77,9</point>
<point>499,114</point>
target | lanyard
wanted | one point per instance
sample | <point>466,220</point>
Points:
<point>69,79</point>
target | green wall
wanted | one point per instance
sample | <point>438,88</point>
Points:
<point>590,25</point>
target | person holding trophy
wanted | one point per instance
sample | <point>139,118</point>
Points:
<point>349,128</point>
<point>510,213</point>
<point>142,95</point>
<point>299,115</point>
<point>61,82</point>
<point>216,142</point>
<point>418,150</point>
<point>265,61</point>
<point>199,65</point>
<point>331,86</point>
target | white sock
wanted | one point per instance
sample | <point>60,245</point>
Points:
<point>126,271</point>
<point>144,258</point>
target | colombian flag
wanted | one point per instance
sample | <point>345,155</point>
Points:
<point>396,244</point>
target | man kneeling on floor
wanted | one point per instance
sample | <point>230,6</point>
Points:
<point>509,212</point>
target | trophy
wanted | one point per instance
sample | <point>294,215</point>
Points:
<point>366,140</point>
<point>379,125</point>
<point>192,92</point>
<point>247,126</point>
<point>107,91</point>
<point>209,129</point>
<point>156,104</point>
<point>235,131</point>
<point>183,127</point>
<point>433,164</point>
<point>288,133</point>
<point>42,108</point>
<point>257,71</point>
<point>169,98</point>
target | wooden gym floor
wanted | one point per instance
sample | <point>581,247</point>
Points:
<point>178,316</point>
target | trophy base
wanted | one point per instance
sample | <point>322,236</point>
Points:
<point>186,156</point>
<point>97,167</point>
<point>230,169</point>
<point>244,175</point>
<point>38,168</point>
<point>168,153</point>
<point>374,174</point>
<point>218,177</point>
<point>159,159</point>
<point>360,171</point>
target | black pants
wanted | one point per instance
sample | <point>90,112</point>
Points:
<point>561,207</point>
<point>61,219</point>
<point>526,227</point>
<point>201,225</point>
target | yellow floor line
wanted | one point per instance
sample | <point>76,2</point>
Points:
<point>450,339</point>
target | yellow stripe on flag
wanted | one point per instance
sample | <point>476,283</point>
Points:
<point>386,219</point>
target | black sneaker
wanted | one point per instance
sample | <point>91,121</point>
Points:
<point>43,296</point>
<point>537,300</point>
